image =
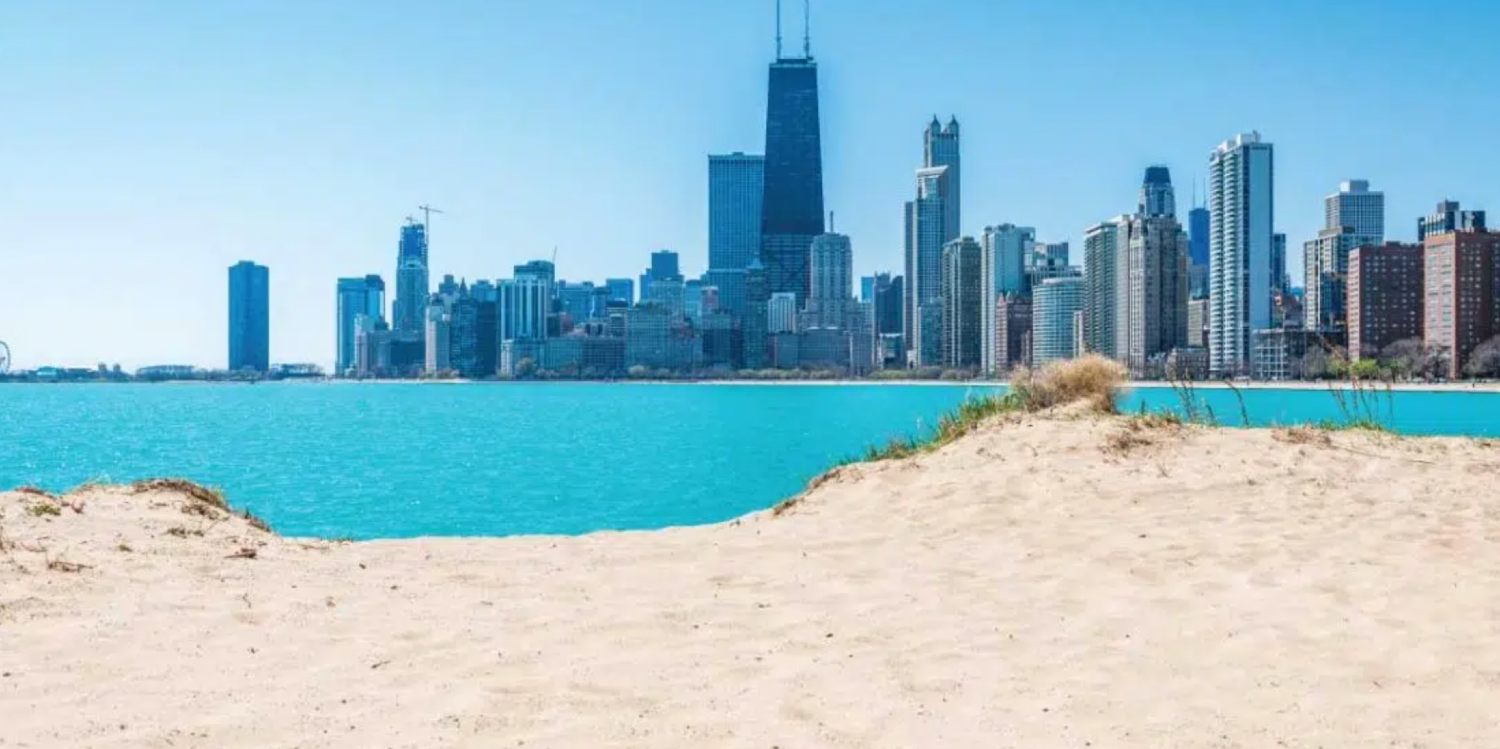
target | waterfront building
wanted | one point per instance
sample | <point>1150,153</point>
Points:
<point>1241,215</point>
<point>723,341</point>
<point>1054,304</point>
<point>1280,281</point>
<point>1358,207</point>
<point>928,233</point>
<point>1386,297</point>
<point>1198,231</point>
<point>542,270</point>
<point>736,191</point>
<point>932,220</point>
<point>670,295</point>
<point>438,337</point>
<point>647,337</point>
<point>621,289</point>
<point>356,296</point>
<point>967,298</point>
<point>1012,333</point>
<point>1007,255</point>
<point>1008,250</point>
<point>756,320</point>
<point>486,335</point>
<point>887,299</point>
<point>1352,217</point>
<point>1448,218</point>
<point>249,317</point>
<point>782,313</point>
<point>1461,284</point>
<point>523,307</point>
<point>1157,196</point>
<point>1151,311</point>
<point>731,286</point>
<point>692,299</point>
<point>1104,247</point>
<point>412,281</point>
<point>464,337</point>
<point>665,267</point>
<point>575,299</point>
<point>792,200</point>
<point>1277,354</point>
<point>832,259</point>
<point>1197,325</point>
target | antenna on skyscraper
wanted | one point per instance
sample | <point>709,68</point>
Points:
<point>778,29</point>
<point>807,29</point>
<point>830,222</point>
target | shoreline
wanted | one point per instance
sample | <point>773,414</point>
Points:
<point>1104,581</point>
<point>1321,386</point>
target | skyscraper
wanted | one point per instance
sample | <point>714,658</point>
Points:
<point>792,203</point>
<point>1198,230</point>
<point>412,281</point>
<point>1449,218</point>
<point>832,259</point>
<point>356,296</point>
<point>664,266</point>
<point>1053,305</point>
<point>757,315</point>
<point>736,189</point>
<point>438,337</point>
<point>1353,217</point>
<point>1152,307</point>
<point>1461,284</point>
<point>1241,216</point>
<point>622,289</point>
<point>928,231</point>
<point>1104,249</point>
<point>965,290</point>
<point>249,317</point>
<point>1157,197</point>
<point>1386,297</point>
<point>940,147</point>
<point>1356,206</point>
<point>1006,253</point>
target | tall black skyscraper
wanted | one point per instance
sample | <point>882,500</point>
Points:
<point>1157,198</point>
<point>792,208</point>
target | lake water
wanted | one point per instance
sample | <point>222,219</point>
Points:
<point>403,460</point>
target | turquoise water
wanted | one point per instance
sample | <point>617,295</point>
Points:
<point>404,460</point>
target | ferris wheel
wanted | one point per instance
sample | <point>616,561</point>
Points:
<point>4,358</point>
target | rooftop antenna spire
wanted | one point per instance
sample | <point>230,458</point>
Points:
<point>778,29</point>
<point>830,222</point>
<point>807,29</point>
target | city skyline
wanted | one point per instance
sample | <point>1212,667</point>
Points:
<point>91,213</point>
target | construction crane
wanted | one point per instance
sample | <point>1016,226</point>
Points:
<point>427,212</point>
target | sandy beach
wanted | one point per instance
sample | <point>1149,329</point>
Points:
<point>1039,583</point>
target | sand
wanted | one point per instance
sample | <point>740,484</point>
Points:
<point>1043,583</point>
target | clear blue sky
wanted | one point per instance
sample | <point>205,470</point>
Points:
<point>146,145</point>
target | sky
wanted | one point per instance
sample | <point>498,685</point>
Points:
<point>147,145</point>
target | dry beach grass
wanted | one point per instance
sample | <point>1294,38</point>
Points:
<point>1041,580</point>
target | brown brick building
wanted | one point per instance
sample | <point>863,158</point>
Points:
<point>1462,282</point>
<point>1012,326</point>
<point>1386,295</point>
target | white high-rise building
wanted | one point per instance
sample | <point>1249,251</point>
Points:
<point>439,352</point>
<point>1053,306</point>
<point>1241,217</point>
<point>832,260</point>
<point>736,189</point>
<point>1104,249</point>
<point>1006,252</point>
<point>781,313</point>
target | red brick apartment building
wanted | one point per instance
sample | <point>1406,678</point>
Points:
<point>1462,284</point>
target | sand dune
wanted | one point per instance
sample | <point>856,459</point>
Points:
<point>1042,583</point>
